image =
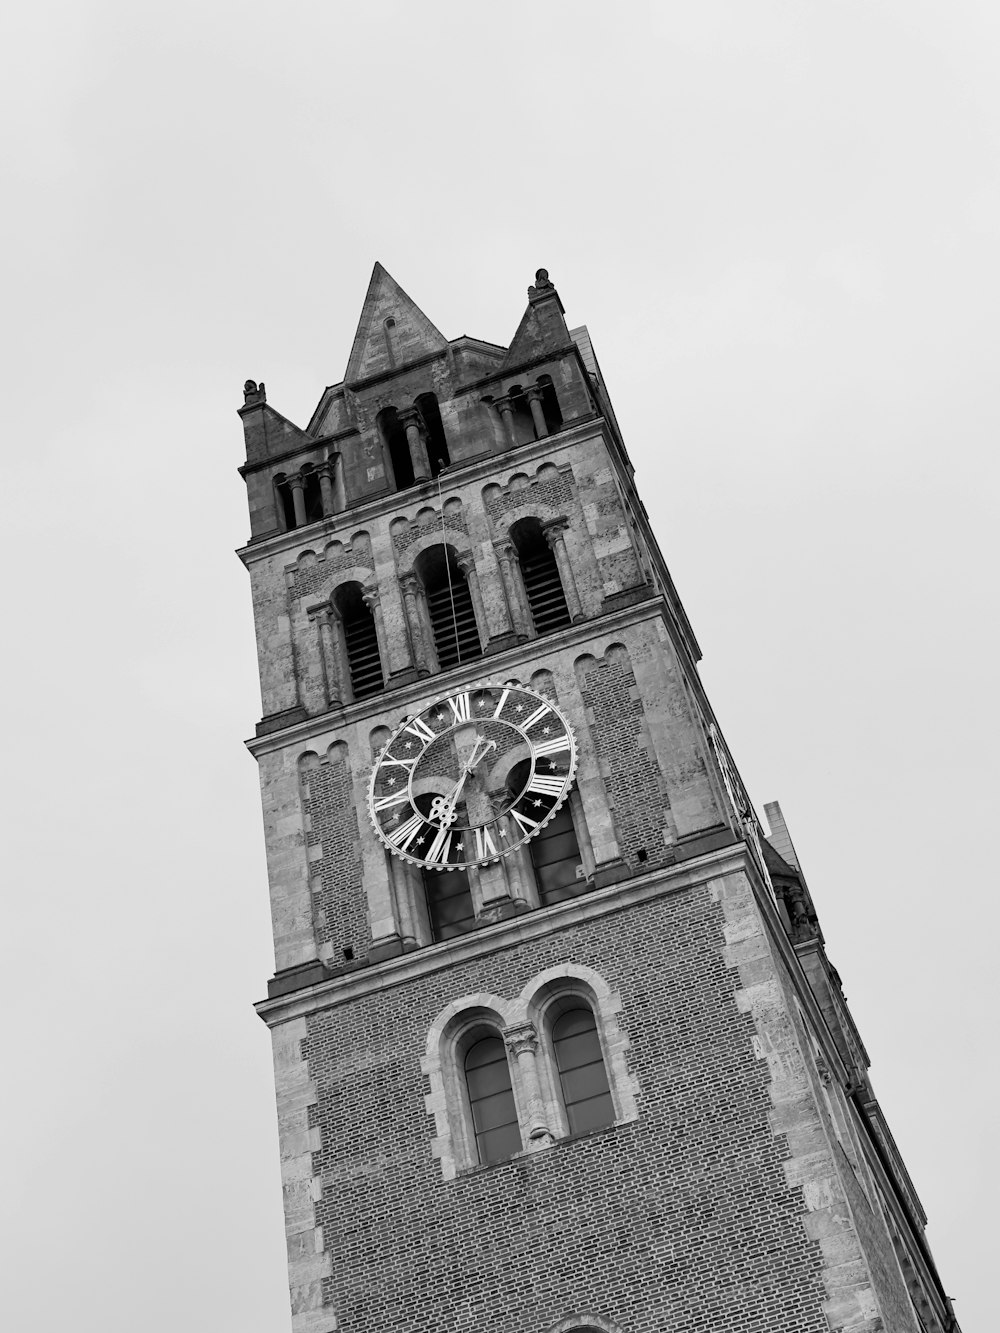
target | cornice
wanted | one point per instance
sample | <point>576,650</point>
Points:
<point>444,682</point>
<point>453,477</point>
<point>502,935</point>
<point>315,442</point>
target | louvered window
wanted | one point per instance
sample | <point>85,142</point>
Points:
<point>583,1079</point>
<point>491,1100</point>
<point>449,605</point>
<point>540,574</point>
<point>361,640</point>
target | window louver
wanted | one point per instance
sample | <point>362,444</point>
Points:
<point>362,652</point>
<point>452,649</point>
<point>545,594</point>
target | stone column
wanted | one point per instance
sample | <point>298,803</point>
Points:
<point>297,484</point>
<point>522,1042</point>
<point>404,906</point>
<point>510,575</point>
<point>467,564</point>
<point>410,586</point>
<point>506,409</point>
<point>369,596</point>
<point>326,488</point>
<point>414,426</point>
<point>554,532</point>
<point>533,393</point>
<point>323,617</point>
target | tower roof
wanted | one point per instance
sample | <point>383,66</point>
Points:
<point>392,330</point>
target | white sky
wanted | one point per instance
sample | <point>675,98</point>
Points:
<point>780,222</point>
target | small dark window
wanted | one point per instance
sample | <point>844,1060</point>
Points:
<point>312,495</point>
<point>437,445</point>
<point>285,501</point>
<point>550,404</point>
<point>393,433</point>
<point>491,1100</point>
<point>540,573</point>
<point>449,605</point>
<point>449,903</point>
<point>582,1076</point>
<point>361,640</point>
<point>524,423</point>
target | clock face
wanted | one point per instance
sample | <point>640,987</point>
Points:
<point>471,777</point>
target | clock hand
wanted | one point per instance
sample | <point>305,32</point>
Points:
<point>451,800</point>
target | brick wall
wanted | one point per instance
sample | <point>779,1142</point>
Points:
<point>339,906</point>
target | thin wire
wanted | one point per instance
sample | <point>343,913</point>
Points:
<point>447,565</point>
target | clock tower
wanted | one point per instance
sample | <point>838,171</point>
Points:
<point>557,1044</point>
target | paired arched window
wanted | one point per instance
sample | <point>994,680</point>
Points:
<point>540,574</point>
<point>495,1122</point>
<point>583,1079</point>
<point>450,608</point>
<point>364,662</point>
<point>301,498</point>
<point>428,439</point>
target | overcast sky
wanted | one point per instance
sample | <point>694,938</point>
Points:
<point>781,223</point>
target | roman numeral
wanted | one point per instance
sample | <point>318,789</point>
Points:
<point>503,699</point>
<point>525,823</point>
<point>405,834</point>
<point>536,716</point>
<point>546,785</point>
<point>440,847</point>
<point>421,730</point>
<point>399,763</point>
<point>395,799</point>
<point>551,746</point>
<point>460,707</point>
<point>485,846</point>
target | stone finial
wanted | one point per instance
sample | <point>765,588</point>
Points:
<point>542,278</point>
<point>254,392</point>
<point>543,288</point>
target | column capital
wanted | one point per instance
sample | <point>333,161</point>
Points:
<point>321,611</point>
<point>533,392</point>
<point>521,1037</point>
<point>553,529</point>
<point>296,480</point>
<point>505,548</point>
<point>410,416</point>
<point>466,562</point>
<point>503,404</point>
<point>409,582</point>
<point>369,595</point>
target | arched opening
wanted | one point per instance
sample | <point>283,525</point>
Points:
<point>361,641</point>
<point>437,445</point>
<point>540,574</point>
<point>583,1080</point>
<point>555,851</point>
<point>286,506</point>
<point>312,495</point>
<point>393,434</point>
<point>491,1100</point>
<point>449,607</point>
<point>550,404</point>
<point>524,426</point>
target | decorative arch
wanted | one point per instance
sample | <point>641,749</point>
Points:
<point>584,1323</point>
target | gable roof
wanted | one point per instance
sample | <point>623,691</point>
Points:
<point>378,348</point>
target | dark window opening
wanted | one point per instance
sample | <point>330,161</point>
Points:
<point>583,1079</point>
<point>312,495</point>
<point>361,640</point>
<point>550,404</point>
<point>555,852</point>
<point>449,903</point>
<point>540,573</point>
<point>449,605</point>
<point>524,425</point>
<point>393,433</point>
<point>491,1100</point>
<point>437,445</point>
<point>286,502</point>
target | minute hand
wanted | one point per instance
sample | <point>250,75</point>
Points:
<point>474,758</point>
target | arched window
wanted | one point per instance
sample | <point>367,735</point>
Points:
<point>449,903</point>
<point>361,641</point>
<point>524,425</point>
<point>312,496</point>
<point>583,1080</point>
<point>393,434</point>
<point>555,852</point>
<point>540,573</point>
<point>491,1100</point>
<point>550,404</point>
<point>287,505</point>
<point>449,607</point>
<point>437,445</point>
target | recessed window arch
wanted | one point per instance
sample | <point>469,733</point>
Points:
<point>550,404</point>
<point>492,1108</point>
<point>364,660</point>
<point>579,1063</point>
<point>286,506</point>
<point>437,444</point>
<point>393,434</point>
<point>451,610</point>
<point>540,575</point>
<point>312,494</point>
<point>524,425</point>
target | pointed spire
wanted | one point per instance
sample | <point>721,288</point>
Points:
<point>543,327</point>
<point>392,331</point>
